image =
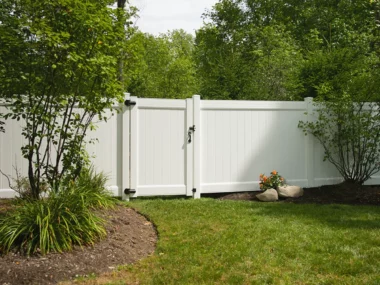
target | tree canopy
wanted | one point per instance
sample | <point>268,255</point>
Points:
<point>254,49</point>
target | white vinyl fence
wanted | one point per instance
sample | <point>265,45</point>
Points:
<point>193,146</point>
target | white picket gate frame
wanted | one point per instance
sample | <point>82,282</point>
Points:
<point>144,149</point>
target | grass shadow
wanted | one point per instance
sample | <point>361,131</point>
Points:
<point>164,198</point>
<point>333,215</point>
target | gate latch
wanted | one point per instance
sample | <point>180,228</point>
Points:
<point>191,129</point>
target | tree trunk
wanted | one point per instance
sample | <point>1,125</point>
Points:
<point>121,5</point>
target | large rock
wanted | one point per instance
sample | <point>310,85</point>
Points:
<point>289,191</point>
<point>270,195</point>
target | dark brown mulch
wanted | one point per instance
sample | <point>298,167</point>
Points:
<point>329,194</point>
<point>130,238</point>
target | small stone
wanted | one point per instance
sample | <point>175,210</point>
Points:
<point>269,195</point>
<point>289,191</point>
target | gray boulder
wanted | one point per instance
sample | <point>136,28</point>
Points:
<point>269,195</point>
<point>289,191</point>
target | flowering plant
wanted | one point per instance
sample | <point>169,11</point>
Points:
<point>272,181</point>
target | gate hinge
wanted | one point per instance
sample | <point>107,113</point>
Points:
<point>128,191</point>
<point>194,190</point>
<point>129,103</point>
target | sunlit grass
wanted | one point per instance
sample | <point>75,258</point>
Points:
<point>237,242</point>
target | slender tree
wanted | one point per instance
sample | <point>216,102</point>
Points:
<point>59,70</point>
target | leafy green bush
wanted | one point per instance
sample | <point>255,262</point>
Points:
<point>60,221</point>
<point>349,134</point>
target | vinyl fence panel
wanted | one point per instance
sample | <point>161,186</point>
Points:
<point>243,139</point>
<point>192,146</point>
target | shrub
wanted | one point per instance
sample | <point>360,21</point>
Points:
<point>349,134</point>
<point>22,187</point>
<point>60,221</point>
<point>273,181</point>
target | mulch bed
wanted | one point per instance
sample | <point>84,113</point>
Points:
<point>329,194</point>
<point>130,237</point>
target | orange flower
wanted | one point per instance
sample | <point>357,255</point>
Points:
<point>261,175</point>
<point>274,172</point>
<point>265,178</point>
<point>282,179</point>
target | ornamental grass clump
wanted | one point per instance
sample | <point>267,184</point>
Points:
<point>273,181</point>
<point>57,223</point>
<point>91,186</point>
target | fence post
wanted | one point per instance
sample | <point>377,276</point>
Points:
<point>310,145</point>
<point>197,146</point>
<point>123,141</point>
<point>189,148</point>
<point>133,166</point>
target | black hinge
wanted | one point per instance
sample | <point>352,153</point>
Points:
<point>129,103</point>
<point>194,190</point>
<point>128,191</point>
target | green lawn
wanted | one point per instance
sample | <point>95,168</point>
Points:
<point>238,242</point>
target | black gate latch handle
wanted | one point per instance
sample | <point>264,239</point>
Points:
<point>191,129</point>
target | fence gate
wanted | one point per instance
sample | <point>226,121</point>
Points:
<point>159,142</point>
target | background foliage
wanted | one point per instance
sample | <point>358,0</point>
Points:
<point>282,49</point>
<point>255,49</point>
<point>161,67</point>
